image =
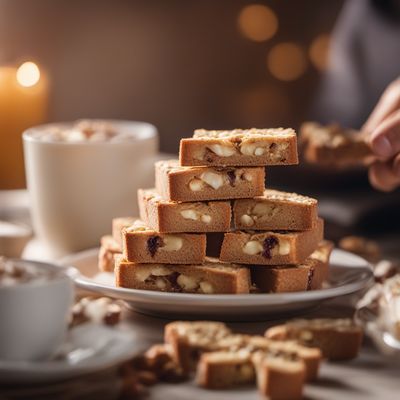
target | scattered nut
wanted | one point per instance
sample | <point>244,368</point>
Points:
<point>196,185</point>
<point>253,247</point>
<point>213,179</point>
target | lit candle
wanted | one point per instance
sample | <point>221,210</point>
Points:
<point>23,103</point>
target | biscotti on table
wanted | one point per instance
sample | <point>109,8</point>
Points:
<point>239,147</point>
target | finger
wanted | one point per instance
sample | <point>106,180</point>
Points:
<point>387,104</point>
<point>382,177</point>
<point>396,165</point>
<point>385,139</point>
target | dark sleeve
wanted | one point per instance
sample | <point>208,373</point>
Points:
<point>340,95</point>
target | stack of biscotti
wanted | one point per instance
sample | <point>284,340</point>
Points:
<point>273,243</point>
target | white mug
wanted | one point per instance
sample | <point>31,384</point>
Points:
<point>76,188</point>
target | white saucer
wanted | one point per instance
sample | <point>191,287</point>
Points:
<point>84,355</point>
<point>348,274</point>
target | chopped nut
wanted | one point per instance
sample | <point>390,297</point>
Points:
<point>160,271</point>
<point>247,177</point>
<point>190,214</point>
<point>246,220</point>
<point>142,275</point>
<point>253,247</point>
<point>222,150</point>
<point>213,179</point>
<point>284,248</point>
<point>206,287</point>
<point>160,283</point>
<point>206,218</point>
<point>187,282</point>
<point>259,151</point>
<point>172,243</point>
<point>261,208</point>
<point>248,148</point>
<point>196,185</point>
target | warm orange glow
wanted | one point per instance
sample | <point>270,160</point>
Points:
<point>28,74</point>
<point>287,61</point>
<point>258,22</point>
<point>319,51</point>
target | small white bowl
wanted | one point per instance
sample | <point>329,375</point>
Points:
<point>34,315</point>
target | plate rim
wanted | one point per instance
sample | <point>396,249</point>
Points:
<point>205,299</point>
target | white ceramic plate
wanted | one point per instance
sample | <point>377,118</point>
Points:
<point>348,274</point>
<point>82,355</point>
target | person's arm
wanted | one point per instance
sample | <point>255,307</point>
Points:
<point>383,131</point>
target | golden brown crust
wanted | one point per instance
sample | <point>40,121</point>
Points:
<point>108,249</point>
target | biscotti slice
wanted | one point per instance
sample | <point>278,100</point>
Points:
<point>308,275</point>
<point>334,145</point>
<point>108,248</point>
<point>279,376</point>
<point>225,369</point>
<point>189,340</point>
<point>338,339</point>
<point>271,248</point>
<point>251,344</point>
<point>212,277</point>
<point>141,244</point>
<point>176,183</point>
<point>118,224</point>
<point>239,147</point>
<point>169,216</point>
<point>276,210</point>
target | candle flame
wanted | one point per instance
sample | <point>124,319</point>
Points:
<point>28,74</point>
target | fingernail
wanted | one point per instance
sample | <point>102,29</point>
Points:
<point>382,147</point>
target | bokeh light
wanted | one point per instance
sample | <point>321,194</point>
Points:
<point>28,74</point>
<point>258,22</point>
<point>287,61</point>
<point>319,51</point>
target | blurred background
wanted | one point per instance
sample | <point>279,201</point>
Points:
<point>192,64</point>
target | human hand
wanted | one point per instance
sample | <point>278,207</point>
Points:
<point>383,134</point>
